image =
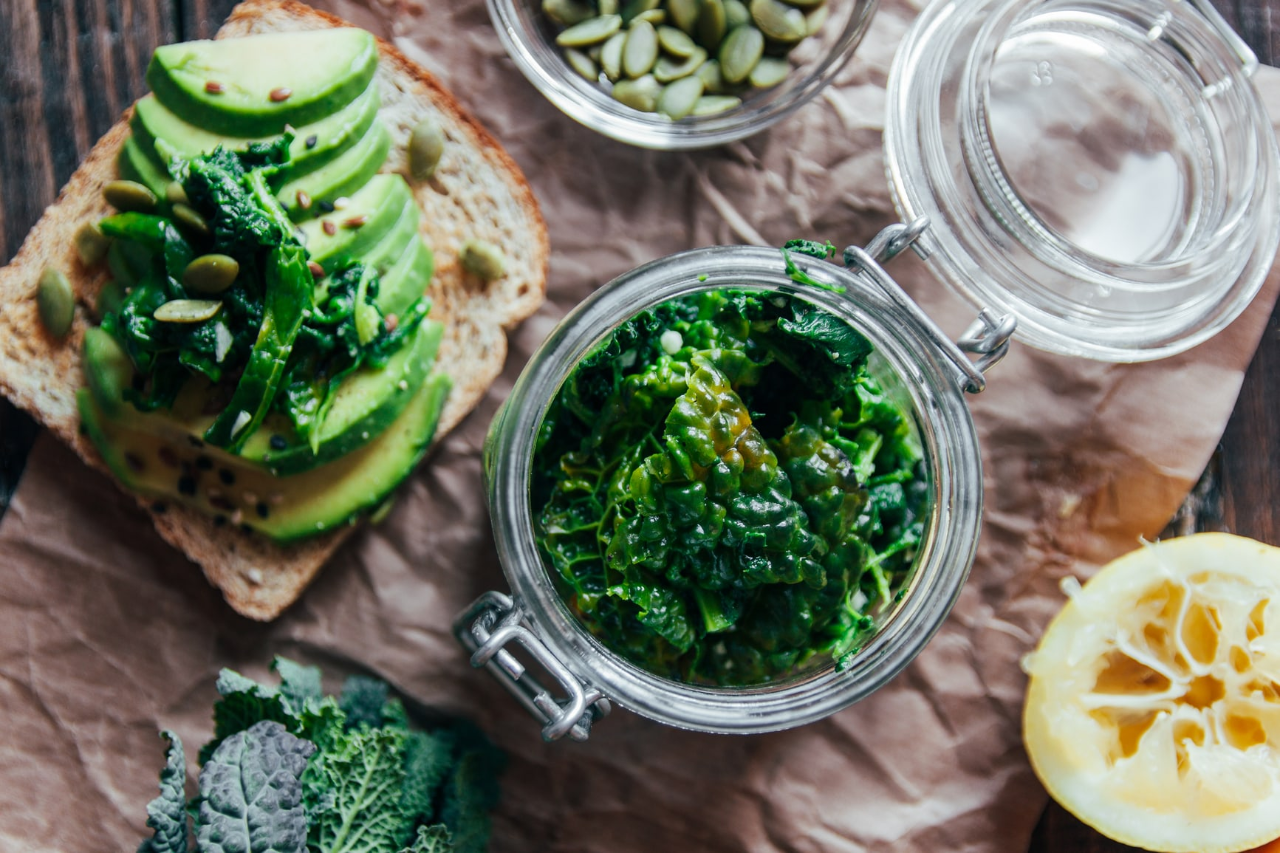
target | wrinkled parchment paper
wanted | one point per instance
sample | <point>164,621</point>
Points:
<point>107,634</point>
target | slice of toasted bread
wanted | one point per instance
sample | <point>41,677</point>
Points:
<point>477,192</point>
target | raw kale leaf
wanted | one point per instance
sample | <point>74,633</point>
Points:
<point>167,813</point>
<point>432,839</point>
<point>244,702</point>
<point>364,774</point>
<point>298,684</point>
<point>251,793</point>
<point>471,792</point>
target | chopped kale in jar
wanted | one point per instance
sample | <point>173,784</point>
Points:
<point>723,492</point>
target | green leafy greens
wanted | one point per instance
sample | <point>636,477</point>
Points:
<point>291,770</point>
<point>281,341</point>
<point>723,490</point>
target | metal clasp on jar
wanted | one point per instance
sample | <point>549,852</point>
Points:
<point>491,622</point>
<point>987,336</point>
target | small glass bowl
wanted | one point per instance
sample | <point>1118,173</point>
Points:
<point>910,367</point>
<point>529,37</point>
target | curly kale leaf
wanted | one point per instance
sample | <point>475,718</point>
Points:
<point>251,793</point>
<point>432,839</point>
<point>364,701</point>
<point>358,785</point>
<point>244,703</point>
<point>299,685</point>
<point>167,813</point>
<point>812,248</point>
<point>471,792</point>
<point>428,758</point>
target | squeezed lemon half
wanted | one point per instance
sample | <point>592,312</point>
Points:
<point>1153,712</point>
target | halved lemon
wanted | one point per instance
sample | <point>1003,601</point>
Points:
<point>1153,712</point>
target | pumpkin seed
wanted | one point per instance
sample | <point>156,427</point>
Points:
<point>653,16</point>
<point>189,218</point>
<point>608,7</point>
<point>676,42</point>
<point>709,73</point>
<point>129,196</point>
<point>187,310</point>
<point>611,56</point>
<point>483,259</point>
<point>806,4</point>
<point>209,274</point>
<point>736,13</point>
<point>684,13</point>
<point>679,99</point>
<point>175,194</point>
<point>55,302</point>
<point>593,52</point>
<point>712,24</point>
<point>669,69</point>
<point>711,104</point>
<point>91,244</point>
<point>641,50</point>
<point>426,147</point>
<point>566,13</point>
<point>108,369</point>
<point>590,31</point>
<point>779,21</point>
<point>816,17</point>
<point>582,63</point>
<point>638,7</point>
<point>740,52</point>
<point>640,94</point>
<point>769,72</point>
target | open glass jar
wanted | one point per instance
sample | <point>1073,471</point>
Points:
<point>923,371</point>
<point>1101,170</point>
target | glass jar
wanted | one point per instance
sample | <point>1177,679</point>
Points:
<point>1102,169</point>
<point>923,371</point>
<point>529,38</point>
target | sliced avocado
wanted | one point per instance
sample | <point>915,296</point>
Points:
<point>407,280</point>
<point>283,508</point>
<point>391,248</point>
<point>341,177</point>
<point>365,404</point>
<point>382,200</point>
<point>162,135</point>
<point>254,86</point>
<point>135,165</point>
<point>107,369</point>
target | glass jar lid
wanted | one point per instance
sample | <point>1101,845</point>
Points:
<point>1102,169</point>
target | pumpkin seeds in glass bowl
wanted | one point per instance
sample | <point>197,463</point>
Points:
<point>608,63</point>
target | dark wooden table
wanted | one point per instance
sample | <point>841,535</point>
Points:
<point>71,66</point>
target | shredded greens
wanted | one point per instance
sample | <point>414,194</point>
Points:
<point>723,491</point>
<point>281,341</point>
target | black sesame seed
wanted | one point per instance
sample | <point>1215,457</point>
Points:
<point>263,512</point>
<point>226,476</point>
<point>246,528</point>
<point>312,140</point>
<point>278,442</point>
<point>219,520</point>
<point>195,442</point>
<point>159,507</point>
<point>186,486</point>
<point>134,461</point>
<point>326,206</point>
<point>204,463</point>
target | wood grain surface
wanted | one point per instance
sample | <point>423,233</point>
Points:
<point>72,66</point>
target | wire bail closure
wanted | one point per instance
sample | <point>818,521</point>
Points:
<point>492,622</point>
<point>987,336</point>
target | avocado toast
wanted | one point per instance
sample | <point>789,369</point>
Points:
<point>477,193</point>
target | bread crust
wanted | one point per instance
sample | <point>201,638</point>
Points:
<point>478,192</point>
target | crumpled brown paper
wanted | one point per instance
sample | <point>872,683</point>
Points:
<point>106,634</point>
